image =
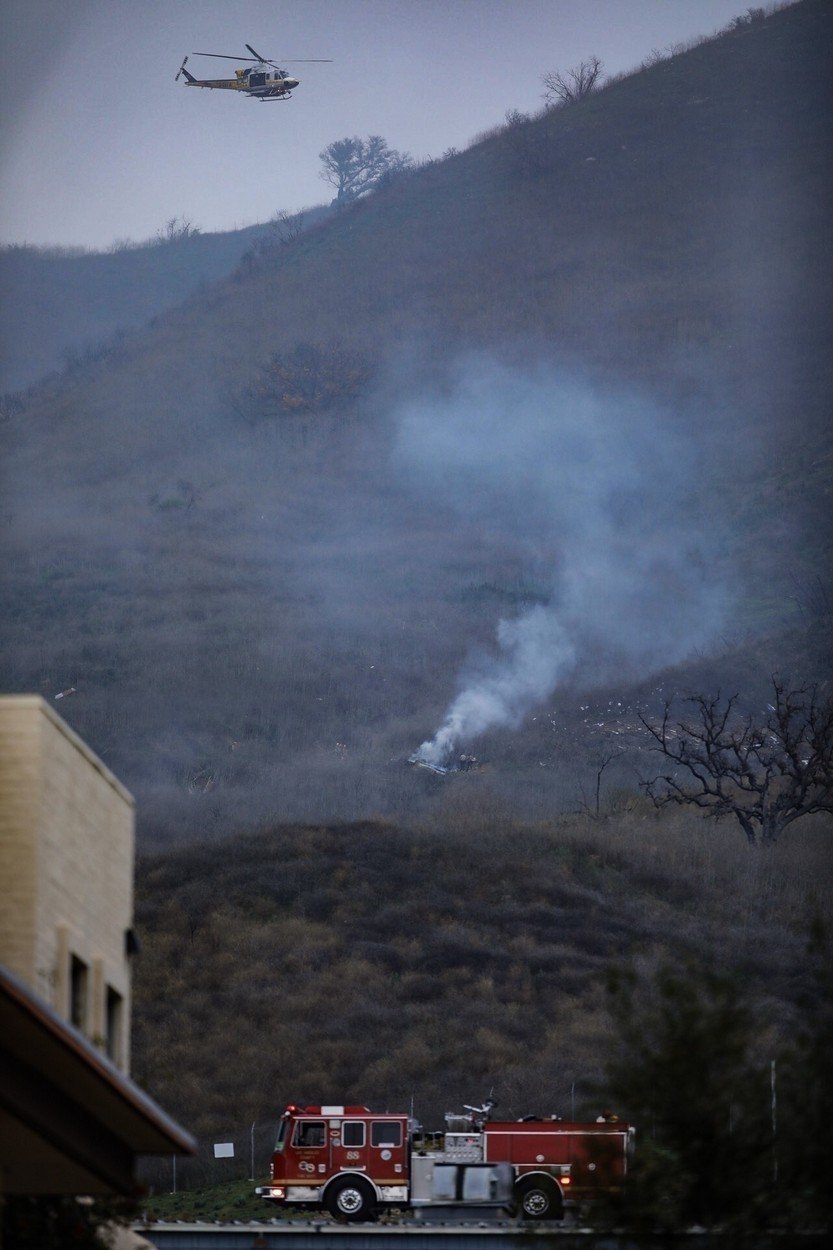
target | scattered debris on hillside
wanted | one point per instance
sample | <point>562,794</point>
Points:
<point>432,768</point>
<point>463,764</point>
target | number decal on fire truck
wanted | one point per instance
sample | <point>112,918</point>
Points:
<point>352,1154</point>
<point>303,1166</point>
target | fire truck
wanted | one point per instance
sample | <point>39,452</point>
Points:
<point>355,1162</point>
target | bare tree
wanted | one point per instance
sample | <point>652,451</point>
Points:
<point>766,773</point>
<point>355,166</point>
<point>575,84</point>
<point>603,759</point>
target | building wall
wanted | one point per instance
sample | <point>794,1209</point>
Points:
<point>66,866</point>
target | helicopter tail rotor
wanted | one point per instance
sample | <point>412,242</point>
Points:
<point>184,72</point>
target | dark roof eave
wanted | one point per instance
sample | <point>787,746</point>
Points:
<point>82,1070</point>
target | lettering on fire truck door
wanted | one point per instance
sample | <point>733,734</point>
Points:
<point>309,1152</point>
<point>348,1145</point>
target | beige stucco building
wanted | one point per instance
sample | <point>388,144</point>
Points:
<point>71,1120</point>
<point>66,866</point>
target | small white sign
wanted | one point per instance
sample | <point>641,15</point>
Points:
<point>224,1150</point>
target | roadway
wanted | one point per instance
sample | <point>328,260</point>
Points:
<point>324,1235</point>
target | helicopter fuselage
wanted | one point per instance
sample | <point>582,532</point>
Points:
<point>262,79</point>
<point>258,83</point>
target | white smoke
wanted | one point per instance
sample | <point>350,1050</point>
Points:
<point>535,651</point>
<point>596,489</point>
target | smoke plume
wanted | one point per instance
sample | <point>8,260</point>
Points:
<point>598,491</point>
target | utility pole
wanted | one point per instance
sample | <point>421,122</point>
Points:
<point>253,1150</point>
<point>774,1105</point>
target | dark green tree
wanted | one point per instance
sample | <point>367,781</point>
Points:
<point>684,1071</point>
<point>803,1143</point>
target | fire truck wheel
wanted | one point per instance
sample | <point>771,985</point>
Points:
<point>539,1199</point>
<point>351,1199</point>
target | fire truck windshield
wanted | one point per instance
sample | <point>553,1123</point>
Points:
<point>280,1140</point>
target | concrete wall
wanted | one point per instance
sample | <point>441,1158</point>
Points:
<point>66,872</point>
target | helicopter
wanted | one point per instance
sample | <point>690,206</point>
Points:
<point>262,80</point>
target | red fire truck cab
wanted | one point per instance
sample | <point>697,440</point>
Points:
<point>352,1161</point>
<point>343,1158</point>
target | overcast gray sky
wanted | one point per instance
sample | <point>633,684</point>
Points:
<point>99,142</point>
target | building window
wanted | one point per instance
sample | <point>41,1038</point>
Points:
<point>115,1007</point>
<point>79,989</point>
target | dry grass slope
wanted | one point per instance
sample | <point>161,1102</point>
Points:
<point>373,963</point>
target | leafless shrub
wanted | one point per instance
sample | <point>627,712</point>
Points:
<point>176,229</point>
<point>570,86</point>
<point>124,244</point>
<point>483,136</point>
<point>654,57</point>
<point>285,228</point>
<point>752,17</point>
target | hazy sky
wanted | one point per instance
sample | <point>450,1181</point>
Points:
<point>99,142</point>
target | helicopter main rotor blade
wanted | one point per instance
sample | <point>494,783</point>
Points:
<point>224,56</point>
<point>292,60</point>
<point>261,60</point>
<point>264,60</point>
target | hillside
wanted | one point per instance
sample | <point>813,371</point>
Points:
<point>60,309</point>
<point>375,963</point>
<point>544,424</point>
